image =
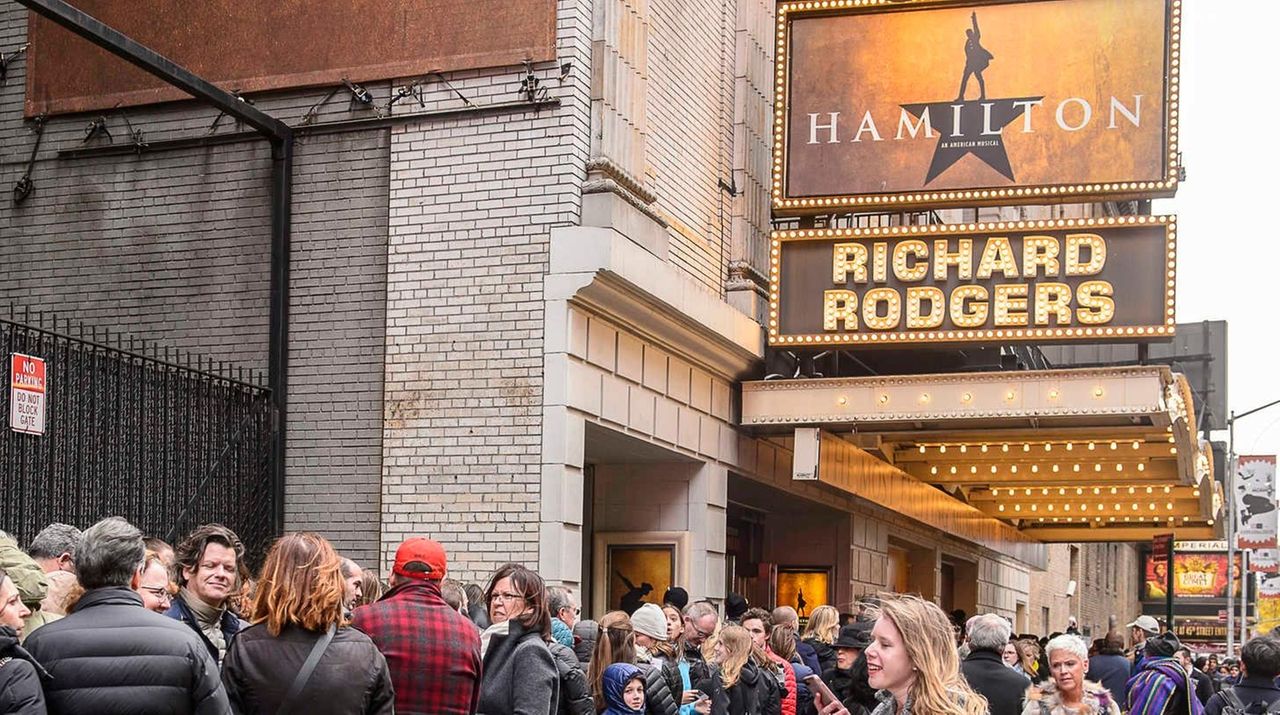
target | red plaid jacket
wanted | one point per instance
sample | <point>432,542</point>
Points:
<point>432,650</point>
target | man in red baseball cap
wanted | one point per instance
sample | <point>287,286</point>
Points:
<point>432,650</point>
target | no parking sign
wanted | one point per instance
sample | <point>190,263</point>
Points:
<point>26,394</point>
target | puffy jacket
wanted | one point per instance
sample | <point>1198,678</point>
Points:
<point>20,674</point>
<point>788,704</point>
<point>662,685</point>
<point>351,677</point>
<point>613,682</point>
<point>575,694</point>
<point>114,657</point>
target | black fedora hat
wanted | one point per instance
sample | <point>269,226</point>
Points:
<point>854,635</point>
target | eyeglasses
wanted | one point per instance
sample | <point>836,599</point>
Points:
<point>506,597</point>
<point>160,592</point>
<point>701,633</point>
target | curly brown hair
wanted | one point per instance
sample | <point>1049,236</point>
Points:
<point>191,550</point>
<point>300,584</point>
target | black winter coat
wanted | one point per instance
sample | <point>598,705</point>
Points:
<point>826,654</point>
<point>114,657</point>
<point>20,690</point>
<point>574,694</point>
<point>842,686</point>
<point>351,677</point>
<point>741,698</point>
<point>1002,686</point>
<point>663,686</point>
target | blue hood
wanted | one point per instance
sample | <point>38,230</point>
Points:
<point>615,679</point>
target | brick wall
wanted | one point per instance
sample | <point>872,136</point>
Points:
<point>172,246</point>
<point>472,205</point>
<point>1105,587</point>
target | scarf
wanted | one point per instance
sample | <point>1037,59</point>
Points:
<point>501,629</point>
<point>209,619</point>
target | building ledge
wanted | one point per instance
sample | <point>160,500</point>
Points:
<point>604,272</point>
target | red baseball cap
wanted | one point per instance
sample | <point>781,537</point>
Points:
<point>420,557</point>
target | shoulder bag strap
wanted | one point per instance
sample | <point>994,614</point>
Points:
<point>308,668</point>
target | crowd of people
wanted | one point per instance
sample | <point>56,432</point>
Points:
<point>106,621</point>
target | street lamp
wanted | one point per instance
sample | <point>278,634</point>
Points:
<point>1231,538</point>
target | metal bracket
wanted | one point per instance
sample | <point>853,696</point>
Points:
<point>135,135</point>
<point>311,114</point>
<point>359,95</point>
<point>25,185</point>
<point>531,87</point>
<point>218,119</point>
<point>5,60</point>
<point>97,128</point>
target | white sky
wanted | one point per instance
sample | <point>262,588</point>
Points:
<point>1228,248</point>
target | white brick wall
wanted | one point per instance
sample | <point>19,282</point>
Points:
<point>472,204</point>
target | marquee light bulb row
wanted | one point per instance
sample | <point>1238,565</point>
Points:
<point>1034,508</point>
<point>1080,491</point>
<point>1007,447</point>
<point>1112,520</point>
<point>1033,469</point>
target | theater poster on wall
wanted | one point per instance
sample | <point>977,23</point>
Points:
<point>1194,576</point>
<point>932,101</point>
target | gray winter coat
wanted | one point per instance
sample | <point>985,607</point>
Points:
<point>519,675</point>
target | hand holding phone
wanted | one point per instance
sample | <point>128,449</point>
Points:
<point>825,700</point>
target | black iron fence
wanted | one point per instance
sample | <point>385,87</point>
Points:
<point>167,441</point>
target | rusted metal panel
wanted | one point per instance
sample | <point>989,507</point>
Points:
<point>254,46</point>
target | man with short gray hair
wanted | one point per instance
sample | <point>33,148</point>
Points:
<point>112,655</point>
<point>984,667</point>
<point>54,548</point>
<point>564,614</point>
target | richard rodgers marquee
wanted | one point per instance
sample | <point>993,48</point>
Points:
<point>1035,280</point>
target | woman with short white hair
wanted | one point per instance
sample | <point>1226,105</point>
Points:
<point>1067,692</point>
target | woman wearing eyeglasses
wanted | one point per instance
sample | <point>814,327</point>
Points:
<point>154,586</point>
<point>519,674</point>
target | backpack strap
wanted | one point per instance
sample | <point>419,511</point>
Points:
<point>308,667</point>
<point>1274,707</point>
<point>1233,700</point>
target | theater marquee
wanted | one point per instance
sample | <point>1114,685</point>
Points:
<point>942,102</point>
<point>1044,281</point>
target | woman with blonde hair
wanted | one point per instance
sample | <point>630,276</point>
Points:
<point>1029,660</point>
<point>820,633</point>
<point>296,613</point>
<point>1066,692</point>
<point>734,673</point>
<point>912,661</point>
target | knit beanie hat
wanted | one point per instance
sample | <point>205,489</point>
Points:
<point>651,621</point>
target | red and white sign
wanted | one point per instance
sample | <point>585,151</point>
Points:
<point>27,386</point>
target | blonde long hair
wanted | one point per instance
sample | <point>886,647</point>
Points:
<point>823,624</point>
<point>929,640</point>
<point>737,649</point>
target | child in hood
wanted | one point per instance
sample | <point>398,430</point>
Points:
<point>623,690</point>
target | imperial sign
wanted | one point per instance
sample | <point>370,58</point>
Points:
<point>992,282</point>
<point>992,102</point>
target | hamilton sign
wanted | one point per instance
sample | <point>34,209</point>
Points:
<point>929,103</point>
<point>1045,281</point>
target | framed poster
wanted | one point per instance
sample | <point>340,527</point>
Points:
<point>634,568</point>
<point>804,588</point>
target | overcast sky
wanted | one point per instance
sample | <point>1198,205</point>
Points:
<point>1228,247</point>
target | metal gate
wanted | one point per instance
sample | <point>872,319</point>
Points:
<point>154,438</point>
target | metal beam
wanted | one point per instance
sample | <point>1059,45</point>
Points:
<point>281,137</point>
<point>130,50</point>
